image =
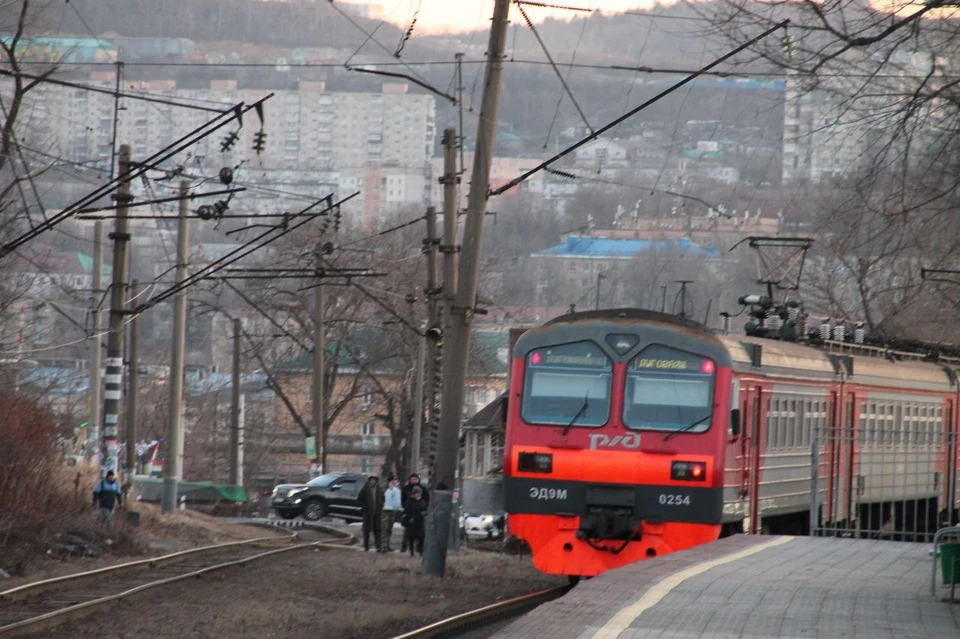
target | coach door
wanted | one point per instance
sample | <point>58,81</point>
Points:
<point>951,470</point>
<point>837,448</point>
<point>850,486</point>
<point>753,446</point>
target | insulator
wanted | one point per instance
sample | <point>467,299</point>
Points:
<point>839,332</point>
<point>773,321</point>
<point>859,334</point>
<point>725,323</point>
<point>756,300</point>
<point>793,314</point>
<point>824,330</point>
<point>802,326</point>
<point>259,141</point>
<point>228,141</point>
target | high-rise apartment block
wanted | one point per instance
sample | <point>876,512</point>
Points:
<point>377,143</point>
<point>854,118</point>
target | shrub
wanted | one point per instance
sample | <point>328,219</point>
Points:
<point>42,504</point>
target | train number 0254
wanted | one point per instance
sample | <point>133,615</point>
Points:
<point>674,500</point>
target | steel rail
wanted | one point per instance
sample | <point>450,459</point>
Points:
<point>56,617</point>
<point>37,587</point>
<point>486,615</point>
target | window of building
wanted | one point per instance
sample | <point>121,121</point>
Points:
<point>366,400</point>
<point>366,428</point>
<point>366,464</point>
<point>483,454</point>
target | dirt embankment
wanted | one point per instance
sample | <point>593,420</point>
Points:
<point>87,545</point>
<point>343,595</point>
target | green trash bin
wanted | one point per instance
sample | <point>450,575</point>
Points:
<point>950,563</point>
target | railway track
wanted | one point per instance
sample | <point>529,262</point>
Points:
<point>37,606</point>
<point>493,615</point>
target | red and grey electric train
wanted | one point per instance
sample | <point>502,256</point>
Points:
<point>631,434</point>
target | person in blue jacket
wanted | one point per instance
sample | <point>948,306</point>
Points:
<point>106,494</point>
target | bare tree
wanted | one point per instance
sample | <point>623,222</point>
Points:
<point>872,121</point>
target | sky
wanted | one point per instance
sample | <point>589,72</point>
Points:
<point>465,15</point>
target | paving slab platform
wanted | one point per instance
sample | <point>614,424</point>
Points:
<point>757,586</point>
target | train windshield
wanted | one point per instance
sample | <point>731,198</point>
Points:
<point>669,389</point>
<point>567,385</point>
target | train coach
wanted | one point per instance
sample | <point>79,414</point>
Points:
<point>632,434</point>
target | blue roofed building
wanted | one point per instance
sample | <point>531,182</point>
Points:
<point>619,264</point>
<point>589,247</point>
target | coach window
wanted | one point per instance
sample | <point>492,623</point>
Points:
<point>567,385</point>
<point>669,389</point>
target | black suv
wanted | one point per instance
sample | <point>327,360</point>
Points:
<point>333,494</point>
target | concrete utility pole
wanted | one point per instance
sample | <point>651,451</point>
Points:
<point>92,446</point>
<point>172,465</point>
<point>418,407</point>
<point>113,380</point>
<point>449,249</point>
<point>133,392</point>
<point>457,341</point>
<point>236,409</point>
<point>427,357</point>
<point>319,346</point>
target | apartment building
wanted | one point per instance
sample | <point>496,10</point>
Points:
<point>848,119</point>
<point>378,143</point>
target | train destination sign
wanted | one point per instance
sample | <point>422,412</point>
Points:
<point>662,359</point>
<point>663,364</point>
<point>577,355</point>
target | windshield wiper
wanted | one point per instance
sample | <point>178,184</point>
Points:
<point>583,409</point>
<point>687,427</point>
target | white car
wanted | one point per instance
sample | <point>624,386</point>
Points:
<point>479,526</point>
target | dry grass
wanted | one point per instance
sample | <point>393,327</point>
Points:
<point>45,509</point>
<point>193,527</point>
<point>341,595</point>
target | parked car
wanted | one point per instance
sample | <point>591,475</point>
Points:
<point>333,495</point>
<point>486,526</point>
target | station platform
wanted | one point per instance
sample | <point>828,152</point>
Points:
<point>757,586</point>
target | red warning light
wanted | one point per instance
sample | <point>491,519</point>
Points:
<point>708,366</point>
<point>696,471</point>
<point>535,358</point>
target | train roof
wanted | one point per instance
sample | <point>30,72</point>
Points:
<point>787,360</point>
<point>634,314</point>
<point>866,365</point>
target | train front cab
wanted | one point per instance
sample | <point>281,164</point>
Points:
<point>596,475</point>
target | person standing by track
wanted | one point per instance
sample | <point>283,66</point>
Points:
<point>371,503</point>
<point>413,482</point>
<point>106,494</point>
<point>414,520</point>
<point>392,506</point>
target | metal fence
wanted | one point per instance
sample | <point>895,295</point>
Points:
<point>894,479</point>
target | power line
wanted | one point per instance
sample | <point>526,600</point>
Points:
<point>184,142</point>
<point>349,18</point>
<point>245,250</point>
<point>428,63</point>
<point>115,93</point>
<point>563,82</point>
<point>384,232</point>
<point>83,21</point>
<point>573,59</point>
<point>512,183</point>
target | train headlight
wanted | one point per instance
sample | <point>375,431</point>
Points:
<point>535,463</point>
<point>688,471</point>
